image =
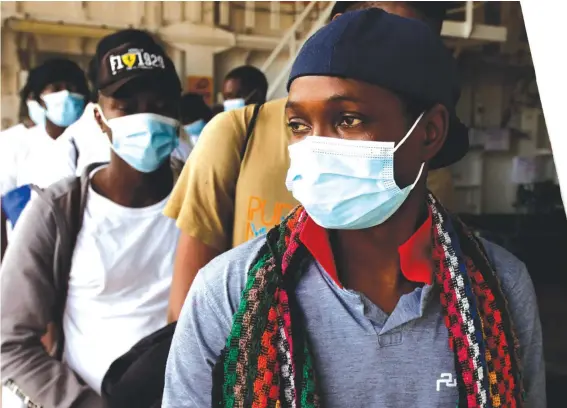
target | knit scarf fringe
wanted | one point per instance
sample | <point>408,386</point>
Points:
<point>267,360</point>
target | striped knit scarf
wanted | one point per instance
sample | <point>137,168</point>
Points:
<point>267,360</point>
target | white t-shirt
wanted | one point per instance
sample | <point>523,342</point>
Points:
<point>28,158</point>
<point>37,159</point>
<point>119,284</point>
<point>13,148</point>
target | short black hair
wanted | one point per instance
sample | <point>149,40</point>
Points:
<point>251,79</point>
<point>57,70</point>
<point>192,107</point>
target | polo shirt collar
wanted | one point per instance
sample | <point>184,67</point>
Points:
<point>415,254</point>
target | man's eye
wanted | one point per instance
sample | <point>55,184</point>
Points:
<point>350,121</point>
<point>297,127</point>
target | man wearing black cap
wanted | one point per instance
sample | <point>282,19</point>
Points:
<point>370,293</point>
<point>223,198</point>
<point>95,254</point>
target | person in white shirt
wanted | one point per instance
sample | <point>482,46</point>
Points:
<point>57,94</point>
<point>83,142</point>
<point>10,141</point>
<point>122,262</point>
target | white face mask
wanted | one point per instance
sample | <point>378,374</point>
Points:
<point>64,108</point>
<point>36,112</point>
<point>143,140</point>
<point>232,104</point>
<point>347,184</point>
<point>237,103</point>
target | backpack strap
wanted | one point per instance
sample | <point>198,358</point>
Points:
<point>74,221</point>
<point>68,213</point>
<point>250,129</point>
<point>76,150</point>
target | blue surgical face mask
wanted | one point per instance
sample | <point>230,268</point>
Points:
<point>195,128</point>
<point>143,140</point>
<point>346,184</point>
<point>64,108</point>
<point>36,112</point>
<point>232,104</point>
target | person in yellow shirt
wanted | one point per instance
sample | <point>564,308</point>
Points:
<point>232,189</point>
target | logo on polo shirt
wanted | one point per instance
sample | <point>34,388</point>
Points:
<point>447,379</point>
<point>135,58</point>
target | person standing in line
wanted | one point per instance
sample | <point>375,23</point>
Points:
<point>370,293</point>
<point>55,97</point>
<point>95,255</point>
<point>233,187</point>
<point>245,85</point>
<point>82,143</point>
<point>11,141</point>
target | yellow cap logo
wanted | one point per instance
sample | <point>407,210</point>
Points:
<point>129,60</point>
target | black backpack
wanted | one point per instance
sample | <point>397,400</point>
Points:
<point>137,378</point>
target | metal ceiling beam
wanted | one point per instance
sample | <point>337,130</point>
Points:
<point>180,33</point>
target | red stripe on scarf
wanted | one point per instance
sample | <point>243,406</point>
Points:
<point>457,338</point>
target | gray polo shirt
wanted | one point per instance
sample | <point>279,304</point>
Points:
<point>363,357</point>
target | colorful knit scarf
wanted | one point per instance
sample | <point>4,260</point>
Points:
<point>267,360</point>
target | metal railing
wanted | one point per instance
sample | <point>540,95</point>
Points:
<point>289,40</point>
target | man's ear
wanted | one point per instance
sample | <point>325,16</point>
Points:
<point>98,118</point>
<point>436,124</point>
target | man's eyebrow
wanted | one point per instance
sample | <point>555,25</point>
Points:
<point>343,98</point>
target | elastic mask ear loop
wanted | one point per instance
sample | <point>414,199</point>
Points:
<point>418,176</point>
<point>402,142</point>
<point>409,131</point>
<point>97,107</point>
<point>108,137</point>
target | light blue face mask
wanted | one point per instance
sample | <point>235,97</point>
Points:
<point>347,184</point>
<point>143,140</point>
<point>232,104</point>
<point>64,108</point>
<point>195,128</point>
<point>36,113</point>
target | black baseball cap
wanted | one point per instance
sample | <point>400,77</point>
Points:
<point>133,54</point>
<point>399,54</point>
